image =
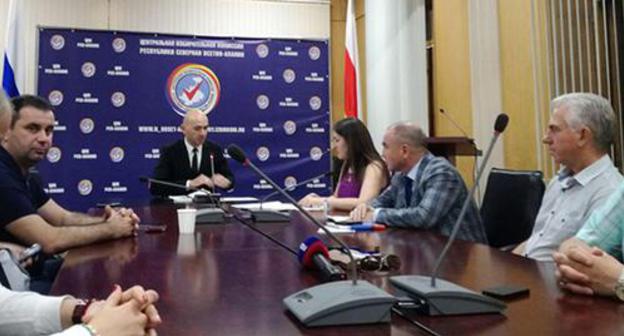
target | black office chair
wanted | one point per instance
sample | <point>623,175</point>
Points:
<point>510,205</point>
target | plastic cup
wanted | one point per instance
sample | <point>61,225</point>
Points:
<point>186,220</point>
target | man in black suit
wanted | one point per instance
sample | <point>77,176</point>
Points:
<point>193,161</point>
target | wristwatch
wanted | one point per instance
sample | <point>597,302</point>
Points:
<point>619,287</point>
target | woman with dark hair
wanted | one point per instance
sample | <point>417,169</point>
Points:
<point>363,174</point>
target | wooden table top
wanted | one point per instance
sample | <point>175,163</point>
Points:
<point>228,280</point>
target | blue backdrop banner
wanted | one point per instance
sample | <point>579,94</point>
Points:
<point>120,96</point>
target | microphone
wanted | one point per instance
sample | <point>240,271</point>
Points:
<point>455,124</point>
<point>333,303</point>
<point>457,300</point>
<point>313,254</point>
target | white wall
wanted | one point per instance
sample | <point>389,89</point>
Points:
<point>240,18</point>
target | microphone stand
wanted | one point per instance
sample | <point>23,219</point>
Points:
<point>334,303</point>
<point>443,297</point>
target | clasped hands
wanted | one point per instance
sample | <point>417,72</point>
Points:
<point>204,181</point>
<point>587,270</point>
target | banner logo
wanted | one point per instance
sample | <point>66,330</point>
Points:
<point>315,103</point>
<point>55,97</point>
<point>263,153</point>
<point>262,50</point>
<point>290,127</point>
<point>116,154</point>
<point>263,102</point>
<point>290,181</point>
<point>88,69</point>
<point>119,45</point>
<point>118,99</point>
<point>289,76</point>
<point>193,86</point>
<point>57,42</point>
<point>314,52</point>
<point>87,125</point>
<point>316,153</point>
<point>54,154</point>
<point>85,187</point>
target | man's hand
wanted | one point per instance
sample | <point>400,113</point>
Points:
<point>145,298</point>
<point>588,271</point>
<point>201,181</point>
<point>362,212</point>
<point>129,313</point>
<point>221,181</point>
<point>122,226</point>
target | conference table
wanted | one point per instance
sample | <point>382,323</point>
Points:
<point>227,279</point>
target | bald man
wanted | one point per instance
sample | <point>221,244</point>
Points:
<point>426,192</point>
<point>193,161</point>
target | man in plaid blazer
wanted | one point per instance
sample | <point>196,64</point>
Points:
<point>426,192</point>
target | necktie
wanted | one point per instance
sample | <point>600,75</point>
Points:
<point>194,165</point>
<point>408,189</point>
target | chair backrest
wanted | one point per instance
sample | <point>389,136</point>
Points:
<point>510,205</point>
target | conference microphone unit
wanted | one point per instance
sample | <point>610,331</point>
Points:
<point>313,254</point>
<point>264,215</point>
<point>334,303</point>
<point>214,215</point>
<point>433,296</point>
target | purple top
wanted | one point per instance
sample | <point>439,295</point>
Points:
<point>348,186</point>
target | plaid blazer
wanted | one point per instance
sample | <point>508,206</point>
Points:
<point>438,193</point>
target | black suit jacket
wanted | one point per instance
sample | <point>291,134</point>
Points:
<point>174,166</point>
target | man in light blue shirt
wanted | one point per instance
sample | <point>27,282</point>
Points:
<point>579,136</point>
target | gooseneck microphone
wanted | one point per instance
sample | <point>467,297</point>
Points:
<point>332,303</point>
<point>444,297</point>
<point>499,126</point>
<point>455,124</point>
<point>237,154</point>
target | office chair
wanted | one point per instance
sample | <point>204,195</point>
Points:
<point>510,204</point>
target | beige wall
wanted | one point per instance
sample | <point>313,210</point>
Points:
<point>451,73</point>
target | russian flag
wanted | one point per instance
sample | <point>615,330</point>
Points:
<point>9,83</point>
<point>352,102</point>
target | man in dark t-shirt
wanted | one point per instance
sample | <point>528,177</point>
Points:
<point>27,214</point>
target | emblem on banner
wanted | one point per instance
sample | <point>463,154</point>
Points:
<point>289,75</point>
<point>315,103</point>
<point>290,181</point>
<point>88,69</point>
<point>262,50</point>
<point>316,153</point>
<point>314,52</point>
<point>290,127</point>
<point>263,102</point>
<point>118,99</point>
<point>57,42</point>
<point>263,153</point>
<point>54,154</point>
<point>55,97</point>
<point>193,86</point>
<point>85,187</point>
<point>87,125</point>
<point>116,154</point>
<point>119,45</point>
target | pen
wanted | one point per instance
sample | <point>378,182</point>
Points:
<point>367,227</point>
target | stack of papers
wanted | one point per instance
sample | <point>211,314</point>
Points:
<point>274,205</point>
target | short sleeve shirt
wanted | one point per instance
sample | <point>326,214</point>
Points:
<point>20,195</point>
